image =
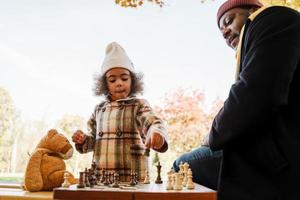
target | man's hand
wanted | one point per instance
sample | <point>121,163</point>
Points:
<point>78,137</point>
<point>155,141</point>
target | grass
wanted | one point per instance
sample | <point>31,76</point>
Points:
<point>11,179</point>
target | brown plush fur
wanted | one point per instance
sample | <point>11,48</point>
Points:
<point>45,169</point>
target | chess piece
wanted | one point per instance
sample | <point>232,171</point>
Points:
<point>90,177</point>
<point>181,167</point>
<point>185,172</point>
<point>178,184</point>
<point>98,176</point>
<point>132,179</point>
<point>93,166</point>
<point>147,178</point>
<point>136,178</point>
<point>169,182</point>
<point>116,181</point>
<point>106,181</point>
<point>158,178</point>
<point>81,180</point>
<point>190,184</point>
<point>103,176</point>
<point>111,178</point>
<point>86,178</point>
<point>66,183</point>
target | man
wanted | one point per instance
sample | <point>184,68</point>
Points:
<point>204,162</point>
<point>258,128</point>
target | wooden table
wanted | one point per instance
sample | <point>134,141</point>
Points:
<point>139,192</point>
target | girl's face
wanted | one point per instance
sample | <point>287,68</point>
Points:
<point>119,83</point>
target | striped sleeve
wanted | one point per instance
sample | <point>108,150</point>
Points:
<point>89,143</point>
<point>150,123</point>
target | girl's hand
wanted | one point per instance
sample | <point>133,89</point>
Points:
<point>155,141</point>
<point>78,137</point>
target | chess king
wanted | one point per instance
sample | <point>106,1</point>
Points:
<point>122,128</point>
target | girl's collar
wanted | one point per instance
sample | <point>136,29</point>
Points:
<point>122,100</point>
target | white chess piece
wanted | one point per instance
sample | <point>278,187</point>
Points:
<point>66,183</point>
<point>169,182</point>
<point>147,179</point>
<point>185,171</point>
<point>178,184</point>
<point>190,184</point>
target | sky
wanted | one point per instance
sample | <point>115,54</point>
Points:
<point>50,51</point>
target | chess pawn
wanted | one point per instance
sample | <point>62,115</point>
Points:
<point>66,183</point>
<point>81,180</point>
<point>169,182</point>
<point>190,184</point>
<point>178,184</point>
<point>147,178</point>
<point>181,169</point>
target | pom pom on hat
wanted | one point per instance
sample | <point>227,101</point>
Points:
<point>115,56</point>
<point>234,4</point>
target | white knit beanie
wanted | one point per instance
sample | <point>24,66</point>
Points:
<point>115,56</point>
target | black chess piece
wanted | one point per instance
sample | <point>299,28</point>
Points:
<point>86,178</point>
<point>116,181</point>
<point>111,178</point>
<point>103,176</point>
<point>98,176</point>
<point>158,178</point>
<point>106,181</point>
<point>91,177</point>
<point>81,180</point>
<point>93,166</point>
<point>132,179</point>
<point>136,178</point>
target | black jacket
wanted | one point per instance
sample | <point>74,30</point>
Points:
<point>259,126</point>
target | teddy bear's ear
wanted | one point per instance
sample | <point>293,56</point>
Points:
<point>51,133</point>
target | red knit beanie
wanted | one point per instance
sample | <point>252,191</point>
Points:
<point>229,4</point>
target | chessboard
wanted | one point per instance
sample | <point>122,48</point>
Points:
<point>138,192</point>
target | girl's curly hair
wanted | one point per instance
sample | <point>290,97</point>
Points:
<point>101,88</point>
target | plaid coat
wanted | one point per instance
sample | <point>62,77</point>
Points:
<point>117,133</point>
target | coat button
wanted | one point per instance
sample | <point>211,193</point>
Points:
<point>118,133</point>
<point>100,133</point>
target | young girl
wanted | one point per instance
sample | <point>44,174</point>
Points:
<point>123,127</point>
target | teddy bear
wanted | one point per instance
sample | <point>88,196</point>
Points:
<point>45,169</point>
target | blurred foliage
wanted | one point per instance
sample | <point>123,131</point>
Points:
<point>138,3</point>
<point>67,125</point>
<point>7,110</point>
<point>187,117</point>
<point>289,3</point>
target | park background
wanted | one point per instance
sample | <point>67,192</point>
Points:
<point>50,50</point>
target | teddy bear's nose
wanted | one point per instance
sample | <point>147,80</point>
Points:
<point>69,153</point>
